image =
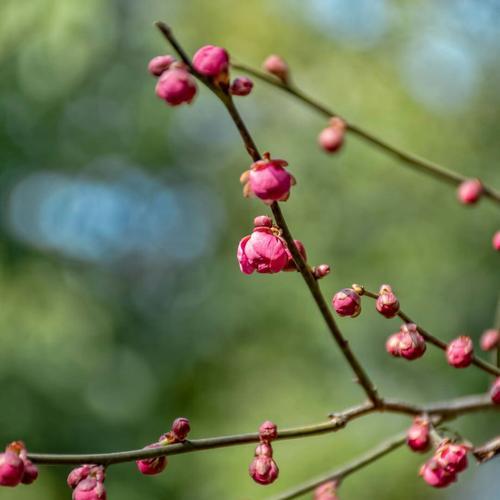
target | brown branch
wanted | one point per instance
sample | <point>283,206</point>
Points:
<point>340,474</point>
<point>488,450</point>
<point>410,159</point>
<point>480,363</point>
<point>303,268</point>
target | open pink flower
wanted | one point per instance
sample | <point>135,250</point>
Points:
<point>268,180</point>
<point>460,352</point>
<point>176,86</point>
<point>263,251</point>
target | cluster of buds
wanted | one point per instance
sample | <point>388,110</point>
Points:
<point>469,191</point>
<point>263,468</point>
<point>460,352</point>
<point>15,467</point>
<point>268,180</point>
<point>387,303</point>
<point>407,343</point>
<point>265,251</point>
<point>176,85</point>
<point>178,433</point>
<point>326,491</point>
<point>331,138</point>
<point>418,435</point>
<point>87,482</point>
<point>442,468</point>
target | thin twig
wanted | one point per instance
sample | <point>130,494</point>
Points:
<point>488,450</point>
<point>410,159</point>
<point>480,363</point>
<point>340,474</point>
<point>303,268</point>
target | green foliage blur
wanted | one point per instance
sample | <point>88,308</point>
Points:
<point>121,303</point>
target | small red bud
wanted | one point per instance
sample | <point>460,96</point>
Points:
<point>435,475</point>
<point>417,437</point>
<point>176,86</point>
<point>347,303</point>
<point>180,428</point>
<point>268,431</point>
<point>154,465</point>
<point>262,221</point>
<point>211,60</point>
<point>321,271</point>
<point>326,491</point>
<point>470,191</point>
<point>452,457</point>
<point>331,138</point>
<point>278,67</point>
<point>490,339</point>
<point>159,64</point>
<point>496,241</point>
<point>241,86</point>
<point>387,303</point>
<point>263,470</point>
<point>460,352</point>
<point>495,392</point>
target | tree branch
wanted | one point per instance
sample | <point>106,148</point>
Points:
<point>410,159</point>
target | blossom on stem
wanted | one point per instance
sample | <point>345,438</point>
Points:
<point>347,302</point>
<point>490,339</point>
<point>331,138</point>
<point>87,482</point>
<point>263,469</point>
<point>278,67</point>
<point>241,86</point>
<point>153,465</point>
<point>387,303</point>
<point>15,467</point>
<point>407,343</point>
<point>263,251</point>
<point>326,491</point>
<point>321,271</point>
<point>469,191</point>
<point>495,392</point>
<point>159,64</point>
<point>417,437</point>
<point>435,475</point>
<point>452,456</point>
<point>268,431</point>
<point>180,429</point>
<point>268,180</point>
<point>176,86</point>
<point>211,61</point>
<point>460,352</point>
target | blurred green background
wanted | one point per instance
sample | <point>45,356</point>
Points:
<point>121,303</point>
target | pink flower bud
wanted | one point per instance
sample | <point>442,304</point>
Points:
<point>264,449</point>
<point>176,86</point>
<point>495,392</point>
<point>411,343</point>
<point>159,64</point>
<point>262,221</point>
<point>277,66</point>
<point>392,344</point>
<point>417,436</point>
<point>154,465</point>
<point>490,339</point>
<point>89,489</point>
<point>263,251</point>
<point>435,475</point>
<point>326,491</point>
<point>11,468</point>
<point>180,428</point>
<point>470,191</point>
<point>77,475</point>
<point>452,457</point>
<point>268,180</point>
<point>460,352</point>
<point>30,472</point>
<point>263,469</point>
<point>347,303</point>
<point>268,431</point>
<point>290,265</point>
<point>496,241</point>
<point>211,60</point>
<point>331,138</point>
<point>387,303</point>
<point>241,86</point>
<point>321,271</point>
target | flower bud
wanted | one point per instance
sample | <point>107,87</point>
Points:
<point>211,61</point>
<point>490,339</point>
<point>180,428</point>
<point>89,489</point>
<point>495,392</point>
<point>278,67</point>
<point>262,221</point>
<point>435,475</point>
<point>469,191</point>
<point>392,344</point>
<point>264,449</point>
<point>263,470</point>
<point>326,491</point>
<point>30,472</point>
<point>268,180</point>
<point>268,431</point>
<point>321,271</point>
<point>460,352</point>
<point>77,475</point>
<point>159,64</point>
<point>496,241</point>
<point>347,303</point>
<point>290,265</point>
<point>263,251</point>
<point>11,468</point>
<point>241,86</point>
<point>387,303</point>
<point>154,465</point>
<point>331,138</point>
<point>452,457</point>
<point>176,86</point>
<point>411,343</point>
<point>417,436</point>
